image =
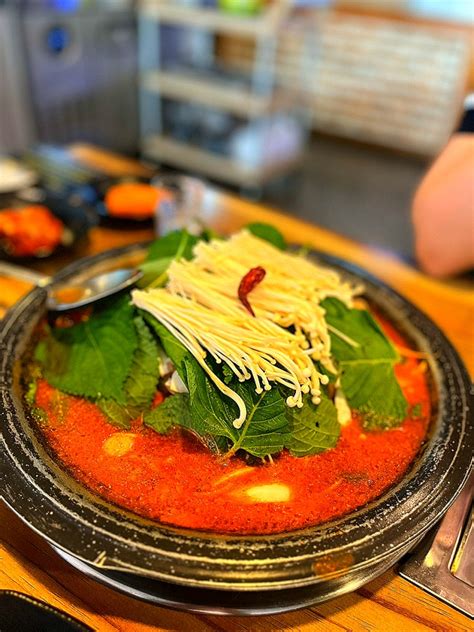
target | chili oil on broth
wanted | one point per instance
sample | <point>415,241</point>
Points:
<point>175,480</point>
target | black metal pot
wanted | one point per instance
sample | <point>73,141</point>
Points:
<point>215,573</point>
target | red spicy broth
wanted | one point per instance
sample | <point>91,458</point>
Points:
<point>175,480</point>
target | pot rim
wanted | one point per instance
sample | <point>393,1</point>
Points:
<point>99,533</point>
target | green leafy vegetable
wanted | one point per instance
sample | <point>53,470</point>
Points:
<point>113,359</point>
<point>209,233</point>
<point>375,393</point>
<point>332,377</point>
<point>211,412</point>
<point>140,386</point>
<point>153,269</point>
<point>30,394</point>
<point>178,244</point>
<point>174,411</point>
<point>266,429</point>
<point>227,375</point>
<point>33,373</point>
<point>172,346</point>
<point>361,327</point>
<point>268,233</point>
<point>94,358</point>
<point>314,429</point>
<point>416,411</point>
<point>367,375</point>
<point>118,414</point>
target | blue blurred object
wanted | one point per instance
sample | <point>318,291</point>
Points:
<point>312,3</point>
<point>457,10</point>
<point>59,172</point>
<point>66,5</point>
<point>58,39</point>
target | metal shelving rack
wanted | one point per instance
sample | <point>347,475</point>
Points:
<point>260,98</point>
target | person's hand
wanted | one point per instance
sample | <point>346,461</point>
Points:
<point>443,210</point>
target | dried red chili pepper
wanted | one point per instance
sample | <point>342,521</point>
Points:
<point>249,281</point>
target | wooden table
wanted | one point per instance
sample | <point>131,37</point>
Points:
<point>389,603</point>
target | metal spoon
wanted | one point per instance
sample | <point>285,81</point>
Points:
<point>64,297</point>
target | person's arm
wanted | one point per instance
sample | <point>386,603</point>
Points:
<point>443,206</point>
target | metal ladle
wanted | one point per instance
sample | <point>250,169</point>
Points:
<point>67,296</point>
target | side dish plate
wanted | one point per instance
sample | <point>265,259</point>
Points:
<point>331,558</point>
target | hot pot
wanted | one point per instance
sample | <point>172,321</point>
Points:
<point>218,573</point>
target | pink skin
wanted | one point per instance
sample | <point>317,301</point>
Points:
<point>443,210</point>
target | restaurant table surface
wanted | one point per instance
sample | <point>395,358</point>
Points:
<point>29,565</point>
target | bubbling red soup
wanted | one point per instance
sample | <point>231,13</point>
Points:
<point>241,388</point>
<point>176,480</point>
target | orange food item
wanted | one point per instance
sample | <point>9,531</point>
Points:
<point>30,231</point>
<point>133,200</point>
<point>176,480</point>
<point>69,294</point>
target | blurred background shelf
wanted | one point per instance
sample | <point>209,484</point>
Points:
<point>238,126</point>
<point>379,84</point>
<point>185,156</point>
<point>172,12</point>
<point>240,100</point>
